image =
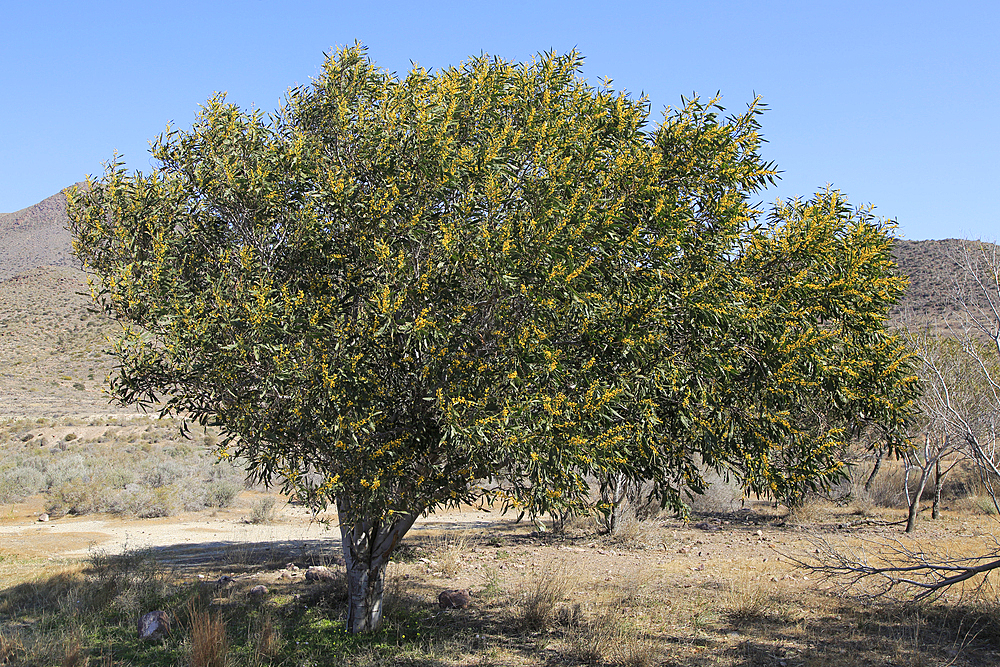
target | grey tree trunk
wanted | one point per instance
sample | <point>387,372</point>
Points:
<point>875,469</point>
<point>936,507</point>
<point>911,516</point>
<point>366,588</point>
<point>618,493</point>
<point>367,546</point>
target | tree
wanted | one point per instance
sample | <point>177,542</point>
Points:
<point>490,282</point>
<point>959,367</point>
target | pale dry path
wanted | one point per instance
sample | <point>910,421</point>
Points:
<point>22,534</point>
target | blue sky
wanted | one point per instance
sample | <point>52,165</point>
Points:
<point>892,102</point>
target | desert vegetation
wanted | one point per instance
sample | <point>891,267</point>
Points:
<point>128,466</point>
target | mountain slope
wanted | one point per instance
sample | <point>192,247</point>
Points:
<point>51,359</point>
<point>35,236</point>
<point>932,269</point>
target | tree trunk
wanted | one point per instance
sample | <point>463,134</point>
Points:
<point>367,546</point>
<point>911,517</point>
<point>878,466</point>
<point>936,507</point>
<point>616,495</point>
<point>366,587</point>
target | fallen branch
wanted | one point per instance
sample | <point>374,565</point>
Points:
<point>879,568</point>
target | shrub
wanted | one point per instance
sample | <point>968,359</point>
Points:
<point>18,483</point>
<point>262,511</point>
<point>221,494</point>
<point>538,603</point>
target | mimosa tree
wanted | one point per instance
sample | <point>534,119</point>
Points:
<point>490,282</point>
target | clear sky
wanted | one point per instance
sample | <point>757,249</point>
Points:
<point>891,102</point>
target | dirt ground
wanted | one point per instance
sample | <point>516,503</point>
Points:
<point>720,589</point>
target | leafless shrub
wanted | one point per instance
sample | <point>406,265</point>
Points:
<point>883,569</point>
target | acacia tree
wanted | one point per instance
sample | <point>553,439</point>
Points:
<point>959,368</point>
<point>489,282</point>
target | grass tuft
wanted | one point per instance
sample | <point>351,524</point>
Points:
<point>209,640</point>
<point>538,601</point>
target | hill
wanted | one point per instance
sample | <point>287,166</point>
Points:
<point>931,267</point>
<point>35,236</point>
<point>51,359</point>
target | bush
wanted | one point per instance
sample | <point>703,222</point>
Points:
<point>18,483</point>
<point>221,494</point>
<point>262,511</point>
<point>538,604</point>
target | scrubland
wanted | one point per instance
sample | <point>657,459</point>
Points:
<point>721,588</point>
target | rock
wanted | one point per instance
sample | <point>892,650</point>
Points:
<point>258,591</point>
<point>43,517</point>
<point>319,573</point>
<point>154,625</point>
<point>292,567</point>
<point>454,598</point>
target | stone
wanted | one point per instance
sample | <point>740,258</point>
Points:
<point>258,591</point>
<point>154,625</point>
<point>454,598</point>
<point>319,573</point>
<point>43,517</point>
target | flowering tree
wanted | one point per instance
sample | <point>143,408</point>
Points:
<point>494,282</point>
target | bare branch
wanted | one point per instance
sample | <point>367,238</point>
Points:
<point>876,569</point>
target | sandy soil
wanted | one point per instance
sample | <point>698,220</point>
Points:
<point>179,537</point>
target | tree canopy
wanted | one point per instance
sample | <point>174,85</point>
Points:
<point>491,281</point>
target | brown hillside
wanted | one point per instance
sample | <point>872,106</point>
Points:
<point>35,236</point>
<point>51,345</point>
<point>932,269</point>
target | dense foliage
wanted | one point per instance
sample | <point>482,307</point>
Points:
<point>491,281</point>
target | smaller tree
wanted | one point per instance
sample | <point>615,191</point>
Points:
<point>929,456</point>
<point>959,368</point>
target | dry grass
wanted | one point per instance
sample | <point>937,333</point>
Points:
<point>748,596</point>
<point>450,552</point>
<point>209,640</point>
<point>266,640</point>
<point>687,596</point>
<point>539,600</point>
<point>810,510</point>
